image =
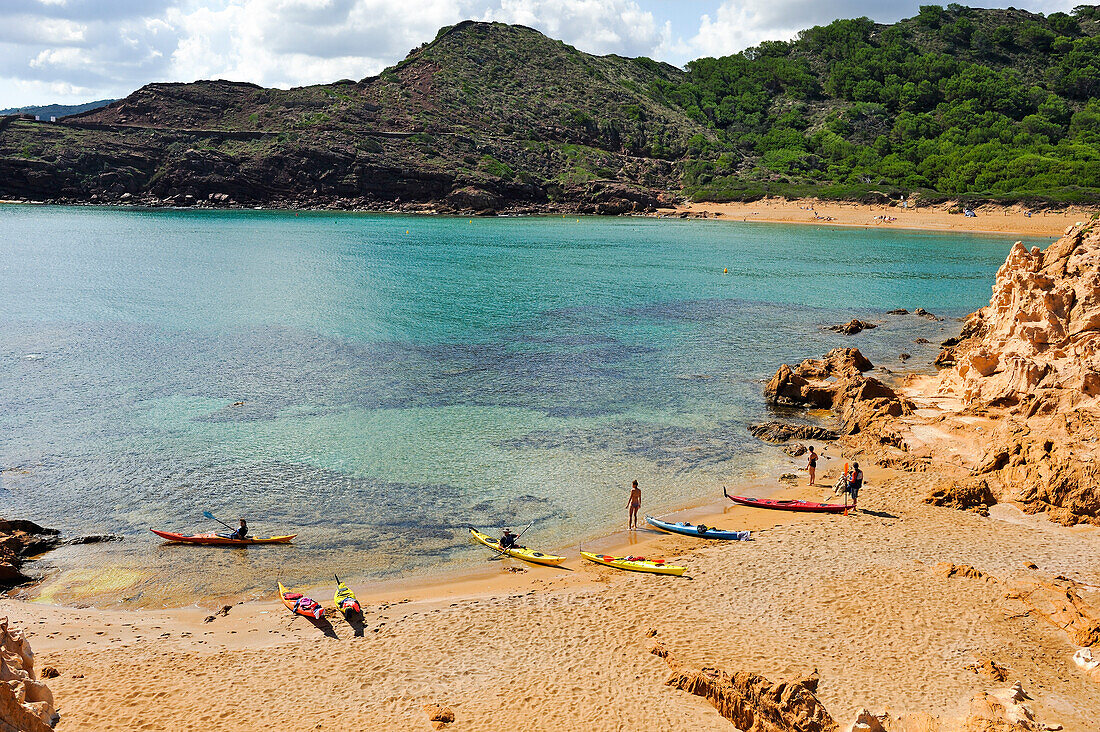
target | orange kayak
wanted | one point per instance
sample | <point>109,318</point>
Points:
<point>222,540</point>
<point>296,602</point>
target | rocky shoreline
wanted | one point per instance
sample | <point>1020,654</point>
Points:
<point>1021,383</point>
<point>22,540</point>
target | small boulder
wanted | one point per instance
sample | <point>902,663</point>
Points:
<point>852,327</point>
<point>439,715</point>
<point>897,311</point>
<point>49,672</point>
<point>990,669</point>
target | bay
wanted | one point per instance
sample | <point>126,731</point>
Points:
<point>378,383</point>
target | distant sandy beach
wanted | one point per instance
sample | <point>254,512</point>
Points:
<point>990,219</point>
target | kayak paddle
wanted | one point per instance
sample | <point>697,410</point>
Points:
<point>211,516</point>
<point>503,551</point>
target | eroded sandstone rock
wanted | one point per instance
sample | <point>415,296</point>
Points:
<point>439,715</point>
<point>971,494</point>
<point>1032,356</point>
<point>752,702</point>
<point>25,703</point>
<point>837,382</point>
<point>1064,603</point>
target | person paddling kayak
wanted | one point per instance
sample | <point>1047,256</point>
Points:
<point>508,539</point>
<point>241,532</point>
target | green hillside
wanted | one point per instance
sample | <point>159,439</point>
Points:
<point>997,104</point>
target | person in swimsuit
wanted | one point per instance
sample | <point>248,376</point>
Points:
<point>634,504</point>
<point>811,465</point>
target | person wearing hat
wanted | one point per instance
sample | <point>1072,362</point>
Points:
<point>508,540</point>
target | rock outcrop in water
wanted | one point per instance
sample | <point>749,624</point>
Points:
<point>18,540</point>
<point>1032,359</point>
<point>837,382</point>
<point>778,432</point>
<point>26,705</point>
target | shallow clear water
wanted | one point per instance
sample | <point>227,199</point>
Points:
<point>403,378</point>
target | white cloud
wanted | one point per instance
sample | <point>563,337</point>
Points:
<point>738,24</point>
<point>596,26</point>
<point>70,50</point>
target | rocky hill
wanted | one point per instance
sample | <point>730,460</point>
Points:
<point>954,102</point>
<point>486,117</point>
<point>46,111</point>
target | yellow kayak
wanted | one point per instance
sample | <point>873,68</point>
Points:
<point>345,599</point>
<point>519,552</point>
<point>634,564</point>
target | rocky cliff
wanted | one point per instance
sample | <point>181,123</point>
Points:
<point>26,704</point>
<point>1031,359</point>
<point>487,117</point>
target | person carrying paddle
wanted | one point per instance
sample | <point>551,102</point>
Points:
<point>508,540</point>
<point>811,465</point>
<point>634,503</point>
<point>241,532</point>
<point>855,482</point>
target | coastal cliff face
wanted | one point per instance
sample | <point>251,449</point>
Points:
<point>1031,359</point>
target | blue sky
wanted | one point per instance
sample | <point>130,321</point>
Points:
<point>71,51</point>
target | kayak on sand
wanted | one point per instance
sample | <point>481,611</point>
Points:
<point>345,599</point>
<point>635,564</point>
<point>298,603</point>
<point>519,552</point>
<point>212,538</point>
<point>700,530</point>
<point>805,506</point>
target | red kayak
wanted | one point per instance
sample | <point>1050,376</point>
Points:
<point>805,506</point>
<point>298,603</point>
<point>223,540</point>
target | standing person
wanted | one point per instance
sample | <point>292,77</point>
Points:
<point>634,504</point>
<point>855,482</point>
<point>811,465</point>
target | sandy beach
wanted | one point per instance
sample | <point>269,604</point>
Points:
<point>989,218</point>
<point>857,597</point>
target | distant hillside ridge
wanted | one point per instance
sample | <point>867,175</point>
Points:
<point>955,102</point>
<point>993,104</point>
<point>56,110</point>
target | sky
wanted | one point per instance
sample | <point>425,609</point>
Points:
<point>72,51</point>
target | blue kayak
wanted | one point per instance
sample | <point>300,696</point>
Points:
<point>705,532</point>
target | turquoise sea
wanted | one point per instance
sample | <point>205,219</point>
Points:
<point>403,378</point>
